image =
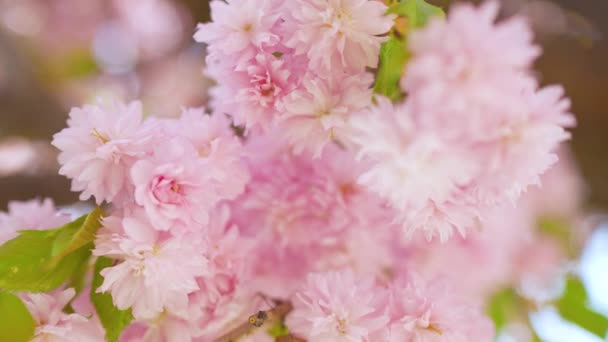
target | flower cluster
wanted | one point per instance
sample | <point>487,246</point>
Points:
<point>303,187</point>
<point>166,231</point>
<point>475,130</point>
<point>300,65</point>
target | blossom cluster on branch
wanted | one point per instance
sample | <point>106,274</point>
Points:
<point>364,212</point>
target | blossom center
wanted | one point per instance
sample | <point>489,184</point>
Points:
<point>95,133</point>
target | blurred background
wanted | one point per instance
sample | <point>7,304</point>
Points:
<point>55,54</point>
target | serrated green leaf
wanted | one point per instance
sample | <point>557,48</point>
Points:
<point>393,56</point>
<point>417,12</point>
<point>24,262</point>
<point>16,322</point>
<point>573,307</point>
<point>113,320</point>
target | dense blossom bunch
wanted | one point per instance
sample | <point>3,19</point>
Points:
<point>319,198</point>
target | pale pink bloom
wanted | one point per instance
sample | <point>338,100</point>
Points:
<point>175,186</point>
<point>440,220</point>
<point>337,306</point>
<point>420,175</point>
<point>169,325</point>
<point>34,214</point>
<point>490,257</point>
<point>291,200</point>
<point>146,277</point>
<point>219,149</point>
<point>466,68</point>
<point>422,311</point>
<point>319,112</point>
<point>99,146</point>
<point>53,325</point>
<point>259,88</point>
<point>229,256</point>
<point>239,26</point>
<point>342,34</point>
<point>525,144</point>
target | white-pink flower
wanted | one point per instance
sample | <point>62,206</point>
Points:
<point>34,214</point>
<point>219,149</point>
<point>421,311</point>
<point>319,111</point>
<point>467,67</point>
<point>239,26</point>
<point>419,173</point>
<point>154,271</point>
<point>99,146</point>
<point>338,306</point>
<point>259,88</point>
<point>338,34</point>
<point>54,325</point>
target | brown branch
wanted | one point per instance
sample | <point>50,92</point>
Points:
<point>255,321</point>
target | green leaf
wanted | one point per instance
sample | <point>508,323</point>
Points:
<point>502,307</point>
<point>16,322</point>
<point>278,329</point>
<point>112,319</point>
<point>25,262</point>
<point>76,234</point>
<point>573,307</point>
<point>393,56</point>
<point>417,12</point>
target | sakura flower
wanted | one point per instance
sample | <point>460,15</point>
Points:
<point>227,252</point>
<point>32,214</point>
<point>239,26</point>
<point>53,325</point>
<point>218,148</point>
<point>525,145</point>
<point>428,312</point>
<point>462,68</point>
<point>171,186</point>
<point>99,146</point>
<point>319,112</point>
<point>414,169</point>
<point>291,201</point>
<point>336,306</point>
<point>262,84</point>
<point>343,34</point>
<point>145,277</point>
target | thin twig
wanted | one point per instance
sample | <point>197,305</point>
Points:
<point>255,321</point>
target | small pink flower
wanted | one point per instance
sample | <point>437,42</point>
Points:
<point>99,146</point>
<point>55,325</point>
<point>343,34</point>
<point>319,111</point>
<point>239,26</point>
<point>146,277</point>
<point>170,185</point>
<point>34,214</point>
<point>337,306</point>
<point>428,312</point>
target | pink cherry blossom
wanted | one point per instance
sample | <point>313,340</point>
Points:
<point>238,26</point>
<point>422,311</point>
<point>52,324</point>
<point>99,146</point>
<point>468,52</point>
<point>146,277</point>
<point>337,306</point>
<point>319,112</point>
<point>260,87</point>
<point>27,215</point>
<point>338,33</point>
